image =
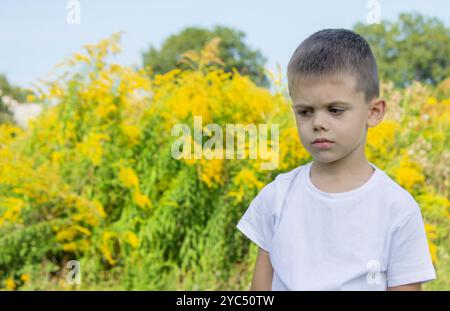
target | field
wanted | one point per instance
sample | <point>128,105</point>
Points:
<point>93,179</point>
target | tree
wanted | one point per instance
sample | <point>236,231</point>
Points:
<point>232,51</point>
<point>413,48</point>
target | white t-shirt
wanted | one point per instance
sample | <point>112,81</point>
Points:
<point>369,238</point>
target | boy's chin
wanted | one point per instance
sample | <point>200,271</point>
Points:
<point>323,158</point>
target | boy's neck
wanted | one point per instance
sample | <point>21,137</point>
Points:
<point>342,169</point>
<point>338,177</point>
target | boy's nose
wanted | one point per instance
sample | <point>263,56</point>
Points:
<point>319,122</point>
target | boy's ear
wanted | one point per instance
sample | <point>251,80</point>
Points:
<point>377,109</point>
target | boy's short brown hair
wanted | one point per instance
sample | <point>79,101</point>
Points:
<point>334,51</point>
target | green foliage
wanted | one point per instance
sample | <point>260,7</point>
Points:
<point>21,245</point>
<point>232,50</point>
<point>413,48</point>
<point>93,178</point>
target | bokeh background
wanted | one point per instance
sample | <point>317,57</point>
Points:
<point>91,91</point>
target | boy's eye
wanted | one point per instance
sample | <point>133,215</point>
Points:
<point>335,111</point>
<point>302,112</point>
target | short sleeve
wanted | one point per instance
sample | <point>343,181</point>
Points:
<point>257,222</point>
<point>409,258</point>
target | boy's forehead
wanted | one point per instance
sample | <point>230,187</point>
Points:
<point>339,80</point>
<point>308,91</point>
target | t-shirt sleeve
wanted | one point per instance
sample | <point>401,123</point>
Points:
<point>257,222</point>
<point>410,259</point>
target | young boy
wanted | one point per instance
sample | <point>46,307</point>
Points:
<point>338,222</point>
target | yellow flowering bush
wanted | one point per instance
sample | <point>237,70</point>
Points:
<point>93,178</point>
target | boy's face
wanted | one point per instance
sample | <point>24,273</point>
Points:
<point>331,108</point>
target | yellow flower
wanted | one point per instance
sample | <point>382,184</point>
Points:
<point>431,231</point>
<point>128,177</point>
<point>431,236</point>
<point>30,98</point>
<point>382,134</point>
<point>70,247</point>
<point>140,199</point>
<point>432,101</point>
<point>99,208</point>
<point>13,208</point>
<point>56,156</point>
<point>434,204</point>
<point>81,57</point>
<point>25,278</point>
<point>82,230</point>
<point>55,91</point>
<point>407,177</point>
<point>10,284</point>
<point>132,239</point>
<point>66,234</point>
<point>246,177</point>
<point>104,247</point>
<point>132,132</point>
<point>433,252</point>
<point>91,147</point>
<point>239,195</point>
<point>8,133</point>
<point>104,110</point>
<point>212,172</point>
<point>409,174</point>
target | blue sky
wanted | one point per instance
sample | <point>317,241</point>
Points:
<point>35,35</point>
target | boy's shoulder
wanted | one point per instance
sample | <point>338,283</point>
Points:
<point>287,177</point>
<point>275,192</point>
<point>399,200</point>
<point>283,181</point>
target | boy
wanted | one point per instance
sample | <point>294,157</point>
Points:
<point>338,222</point>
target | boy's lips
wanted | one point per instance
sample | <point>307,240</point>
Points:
<point>322,143</point>
<point>321,140</point>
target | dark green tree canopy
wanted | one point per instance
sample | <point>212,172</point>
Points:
<point>413,48</point>
<point>232,51</point>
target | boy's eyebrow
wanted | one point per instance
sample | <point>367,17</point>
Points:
<point>335,102</point>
